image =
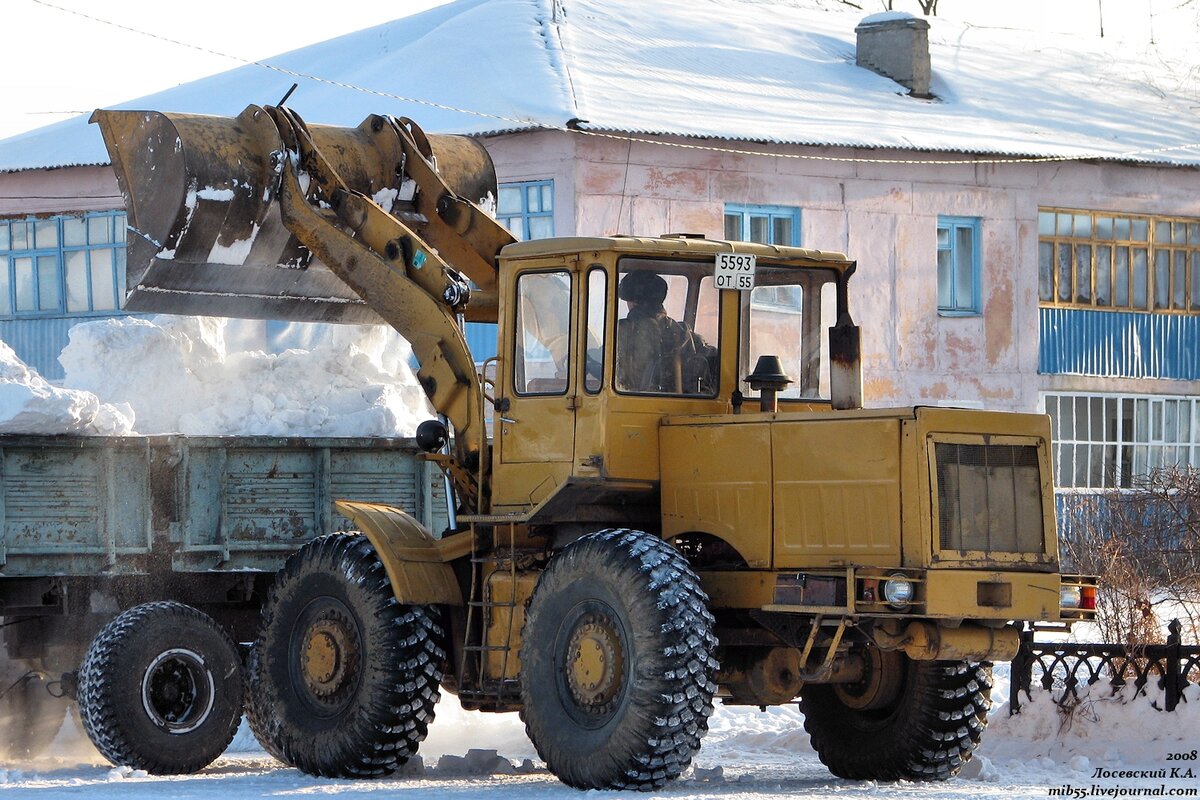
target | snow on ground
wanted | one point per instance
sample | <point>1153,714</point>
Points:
<point>747,755</point>
<point>205,376</point>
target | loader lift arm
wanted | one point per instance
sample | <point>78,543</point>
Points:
<point>325,183</point>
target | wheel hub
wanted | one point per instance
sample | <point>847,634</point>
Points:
<point>883,678</point>
<point>328,654</point>
<point>595,665</point>
<point>178,691</point>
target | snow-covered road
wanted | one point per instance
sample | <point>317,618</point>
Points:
<point>748,755</point>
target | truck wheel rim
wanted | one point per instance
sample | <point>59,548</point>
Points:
<point>593,663</point>
<point>326,657</point>
<point>326,651</point>
<point>178,691</point>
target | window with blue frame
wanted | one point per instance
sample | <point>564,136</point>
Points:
<point>763,224</point>
<point>62,266</point>
<point>958,266</point>
<point>526,208</point>
<point>766,225</point>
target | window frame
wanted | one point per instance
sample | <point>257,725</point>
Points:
<point>116,222</point>
<point>1172,240</point>
<point>953,224</point>
<point>772,212</point>
<point>1139,439</point>
<point>527,213</point>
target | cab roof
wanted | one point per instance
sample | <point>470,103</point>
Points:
<point>675,246</point>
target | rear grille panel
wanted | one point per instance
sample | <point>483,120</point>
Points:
<point>989,498</point>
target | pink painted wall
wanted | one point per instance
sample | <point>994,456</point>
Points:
<point>56,191</point>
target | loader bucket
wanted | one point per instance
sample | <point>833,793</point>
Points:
<point>205,231</point>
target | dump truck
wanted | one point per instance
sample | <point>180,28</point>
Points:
<point>682,500</point>
<point>177,537</point>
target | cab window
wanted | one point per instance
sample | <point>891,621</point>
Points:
<point>786,315</point>
<point>543,333</point>
<point>668,318</point>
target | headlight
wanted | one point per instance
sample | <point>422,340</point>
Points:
<point>1070,597</point>
<point>898,591</point>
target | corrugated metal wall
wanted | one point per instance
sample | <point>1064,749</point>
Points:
<point>38,340</point>
<point>1119,344</point>
<point>481,338</point>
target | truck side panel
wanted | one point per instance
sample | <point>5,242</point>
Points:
<point>72,505</point>
<point>249,504</point>
<point>82,506</point>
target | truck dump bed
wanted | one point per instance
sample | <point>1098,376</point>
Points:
<point>80,506</point>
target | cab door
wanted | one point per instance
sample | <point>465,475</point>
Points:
<point>536,402</point>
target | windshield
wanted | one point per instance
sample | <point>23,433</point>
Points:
<point>786,315</point>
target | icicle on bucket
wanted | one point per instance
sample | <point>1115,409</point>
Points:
<point>205,230</point>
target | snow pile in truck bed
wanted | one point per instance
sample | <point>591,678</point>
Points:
<point>199,376</point>
<point>30,404</point>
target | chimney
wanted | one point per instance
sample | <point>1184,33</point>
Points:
<point>896,45</point>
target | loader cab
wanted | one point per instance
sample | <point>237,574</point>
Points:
<point>602,338</point>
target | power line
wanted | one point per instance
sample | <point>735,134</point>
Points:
<point>525,122</point>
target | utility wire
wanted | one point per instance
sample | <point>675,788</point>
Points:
<point>526,122</point>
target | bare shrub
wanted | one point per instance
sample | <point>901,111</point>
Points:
<point>1144,543</point>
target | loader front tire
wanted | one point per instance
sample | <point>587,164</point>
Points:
<point>617,663</point>
<point>922,724</point>
<point>161,689</point>
<point>343,677</point>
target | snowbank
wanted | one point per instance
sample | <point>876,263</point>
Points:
<point>191,375</point>
<point>1100,729</point>
<point>30,404</point>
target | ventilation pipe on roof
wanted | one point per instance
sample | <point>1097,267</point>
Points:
<point>896,45</point>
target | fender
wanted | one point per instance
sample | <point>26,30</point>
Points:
<point>417,564</point>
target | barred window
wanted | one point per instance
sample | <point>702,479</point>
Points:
<point>1102,441</point>
<point>63,265</point>
<point>1124,262</point>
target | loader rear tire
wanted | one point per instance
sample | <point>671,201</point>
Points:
<point>344,677</point>
<point>617,663</point>
<point>924,730</point>
<point>161,689</point>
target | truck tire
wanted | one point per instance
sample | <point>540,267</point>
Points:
<point>161,689</point>
<point>923,727</point>
<point>344,677</point>
<point>29,715</point>
<point>617,662</point>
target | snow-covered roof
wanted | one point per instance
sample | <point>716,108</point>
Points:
<point>737,70</point>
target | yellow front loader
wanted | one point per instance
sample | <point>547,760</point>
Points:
<point>683,500</point>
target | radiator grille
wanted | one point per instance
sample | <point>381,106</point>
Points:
<point>989,498</point>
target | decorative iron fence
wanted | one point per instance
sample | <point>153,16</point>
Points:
<point>1067,667</point>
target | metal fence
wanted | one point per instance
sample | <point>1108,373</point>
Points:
<point>1067,667</point>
